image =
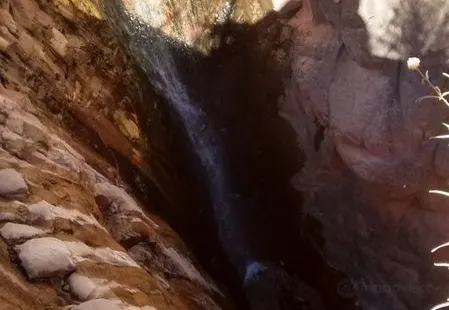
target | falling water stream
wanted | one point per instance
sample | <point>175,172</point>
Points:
<point>153,50</point>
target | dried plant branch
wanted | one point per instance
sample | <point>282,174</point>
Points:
<point>414,65</point>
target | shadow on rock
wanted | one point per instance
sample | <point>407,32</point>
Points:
<point>236,157</point>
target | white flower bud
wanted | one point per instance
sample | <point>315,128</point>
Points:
<point>413,63</point>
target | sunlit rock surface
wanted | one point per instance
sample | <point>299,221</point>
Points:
<point>95,89</point>
<point>12,184</point>
<point>68,100</point>
<point>52,241</point>
<point>192,22</point>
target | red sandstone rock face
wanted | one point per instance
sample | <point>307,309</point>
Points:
<point>67,61</point>
<point>75,250</point>
<point>72,237</point>
<point>192,22</point>
<point>367,182</point>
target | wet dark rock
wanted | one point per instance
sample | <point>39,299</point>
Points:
<point>272,288</point>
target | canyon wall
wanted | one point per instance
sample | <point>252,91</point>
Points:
<point>83,128</point>
<point>71,130</point>
<point>370,162</point>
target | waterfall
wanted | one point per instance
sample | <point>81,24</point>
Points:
<point>154,53</point>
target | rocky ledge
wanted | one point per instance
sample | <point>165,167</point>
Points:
<point>73,239</point>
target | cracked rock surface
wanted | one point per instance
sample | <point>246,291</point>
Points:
<point>74,249</point>
<point>69,224</point>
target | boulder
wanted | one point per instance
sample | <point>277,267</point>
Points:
<point>14,232</point>
<point>12,184</point>
<point>106,304</point>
